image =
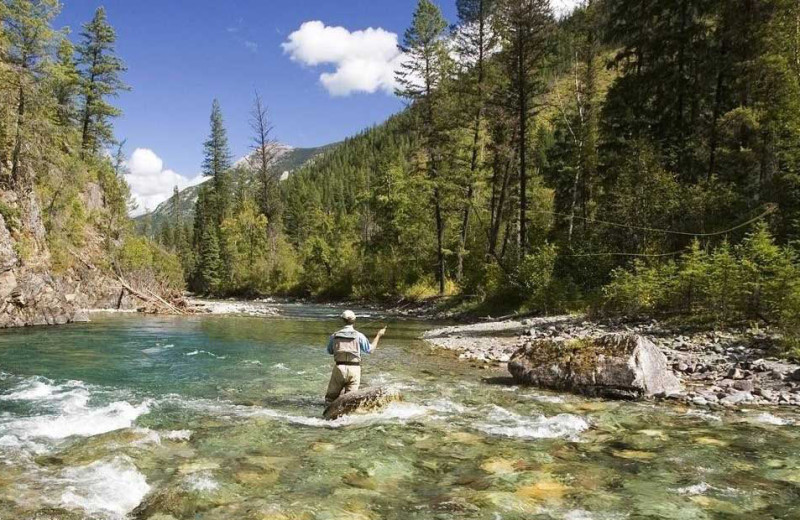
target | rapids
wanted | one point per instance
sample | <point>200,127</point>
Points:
<point>220,417</point>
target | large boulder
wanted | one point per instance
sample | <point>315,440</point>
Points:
<point>618,366</point>
<point>364,400</point>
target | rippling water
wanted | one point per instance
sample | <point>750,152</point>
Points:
<point>220,417</point>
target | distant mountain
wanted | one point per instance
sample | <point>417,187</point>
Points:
<point>287,161</point>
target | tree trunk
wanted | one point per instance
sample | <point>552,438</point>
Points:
<point>475,150</point>
<point>17,153</point>
<point>522,94</point>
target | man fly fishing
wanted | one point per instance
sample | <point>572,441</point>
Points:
<point>346,346</point>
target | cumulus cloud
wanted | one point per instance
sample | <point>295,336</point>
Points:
<point>363,61</point>
<point>150,183</point>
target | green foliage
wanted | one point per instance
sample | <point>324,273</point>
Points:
<point>261,262</point>
<point>138,258</point>
<point>753,281</point>
<point>217,158</point>
<point>209,265</point>
<point>100,70</point>
<point>528,173</point>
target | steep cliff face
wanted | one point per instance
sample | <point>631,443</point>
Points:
<point>29,293</point>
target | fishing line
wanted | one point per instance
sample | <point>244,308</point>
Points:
<point>770,209</point>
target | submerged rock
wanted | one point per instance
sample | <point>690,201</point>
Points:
<point>616,366</point>
<point>364,400</point>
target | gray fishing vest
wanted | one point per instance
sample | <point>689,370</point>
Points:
<point>345,347</point>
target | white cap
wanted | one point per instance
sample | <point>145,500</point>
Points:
<point>349,316</point>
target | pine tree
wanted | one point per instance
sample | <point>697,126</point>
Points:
<point>217,163</point>
<point>28,36</point>
<point>526,27</point>
<point>65,81</point>
<point>175,207</point>
<point>217,156</point>
<point>209,264</point>
<point>421,80</point>
<point>100,71</point>
<point>475,41</point>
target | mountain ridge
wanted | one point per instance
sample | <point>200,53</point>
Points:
<point>288,160</point>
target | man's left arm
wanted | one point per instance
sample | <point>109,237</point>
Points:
<point>330,345</point>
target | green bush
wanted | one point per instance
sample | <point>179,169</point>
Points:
<point>142,261</point>
<point>755,280</point>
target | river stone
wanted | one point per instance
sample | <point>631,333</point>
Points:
<point>363,400</point>
<point>619,366</point>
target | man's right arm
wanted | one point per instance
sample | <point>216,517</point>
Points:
<point>377,339</point>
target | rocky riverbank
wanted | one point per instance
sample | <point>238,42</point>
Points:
<point>264,307</point>
<point>727,368</point>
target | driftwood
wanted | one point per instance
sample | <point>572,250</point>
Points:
<point>363,400</point>
<point>153,298</point>
<point>150,297</point>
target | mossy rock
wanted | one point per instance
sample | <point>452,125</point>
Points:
<point>617,366</point>
<point>361,401</point>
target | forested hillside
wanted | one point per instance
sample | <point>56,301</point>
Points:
<point>65,234</point>
<point>637,157</point>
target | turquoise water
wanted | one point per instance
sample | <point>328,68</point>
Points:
<point>220,418</point>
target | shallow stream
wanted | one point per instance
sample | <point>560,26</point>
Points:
<point>220,418</point>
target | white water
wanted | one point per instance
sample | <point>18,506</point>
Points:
<point>62,411</point>
<point>207,353</point>
<point>109,488</point>
<point>504,423</point>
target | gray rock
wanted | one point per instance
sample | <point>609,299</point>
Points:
<point>622,366</point>
<point>745,385</point>
<point>735,373</point>
<point>767,394</point>
<point>681,367</point>
<point>736,398</point>
<point>81,316</point>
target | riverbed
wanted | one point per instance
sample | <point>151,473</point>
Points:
<point>219,417</point>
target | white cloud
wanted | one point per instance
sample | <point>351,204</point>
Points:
<point>564,7</point>
<point>150,183</point>
<point>363,61</point>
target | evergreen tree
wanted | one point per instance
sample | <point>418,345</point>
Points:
<point>217,163</point>
<point>66,82</point>
<point>475,42</point>
<point>217,155</point>
<point>175,208</point>
<point>421,79</point>
<point>28,37</point>
<point>100,71</point>
<point>526,27</point>
<point>209,263</point>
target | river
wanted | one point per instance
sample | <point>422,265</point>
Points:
<point>220,418</point>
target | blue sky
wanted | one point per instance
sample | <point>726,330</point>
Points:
<point>326,82</point>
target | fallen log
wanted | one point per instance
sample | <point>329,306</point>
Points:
<point>154,298</point>
<point>364,400</point>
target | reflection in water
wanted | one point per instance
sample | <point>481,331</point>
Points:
<point>220,417</point>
